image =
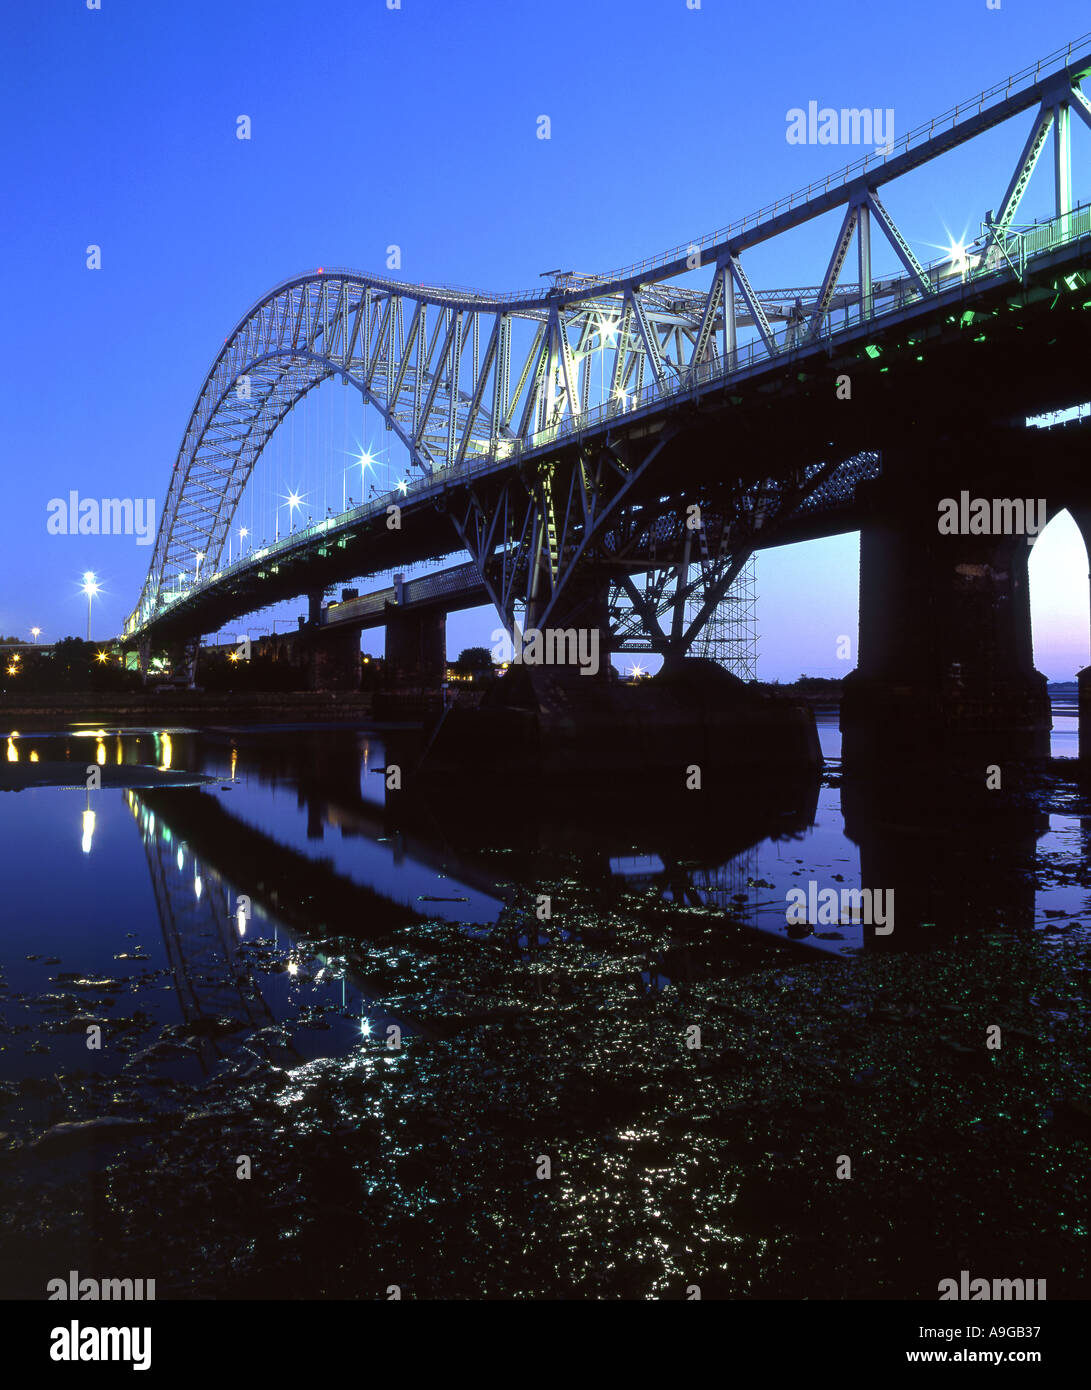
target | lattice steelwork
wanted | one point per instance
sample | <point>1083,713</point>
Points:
<point>549,396</point>
<point>730,636</point>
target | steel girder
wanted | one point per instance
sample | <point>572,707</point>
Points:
<point>664,567</point>
<point>415,353</point>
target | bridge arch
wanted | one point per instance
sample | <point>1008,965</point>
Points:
<point>309,330</point>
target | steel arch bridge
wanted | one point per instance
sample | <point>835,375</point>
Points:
<point>489,392</point>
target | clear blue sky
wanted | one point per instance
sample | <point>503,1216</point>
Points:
<point>417,126</point>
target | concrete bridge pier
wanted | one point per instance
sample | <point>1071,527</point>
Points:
<point>331,655</point>
<point>945,668</point>
<point>333,659</point>
<point>584,609</point>
<point>415,662</point>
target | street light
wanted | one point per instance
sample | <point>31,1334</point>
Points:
<point>90,587</point>
<point>35,632</point>
<point>293,500</point>
<point>365,461</point>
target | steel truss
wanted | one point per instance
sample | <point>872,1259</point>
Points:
<point>506,385</point>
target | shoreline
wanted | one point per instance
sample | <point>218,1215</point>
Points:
<point>57,712</point>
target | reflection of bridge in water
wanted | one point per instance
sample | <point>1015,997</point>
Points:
<point>197,861</point>
<point>217,994</point>
<point>924,845</point>
<point>201,855</point>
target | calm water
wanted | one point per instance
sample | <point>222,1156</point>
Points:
<point>286,923</point>
<point>141,889</point>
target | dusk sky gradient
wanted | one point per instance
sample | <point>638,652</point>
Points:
<point>417,127</point>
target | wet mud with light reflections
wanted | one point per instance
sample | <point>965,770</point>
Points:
<point>670,1166</point>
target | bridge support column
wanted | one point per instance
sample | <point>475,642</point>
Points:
<point>332,658</point>
<point>945,659</point>
<point>583,608</point>
<point>415,663</point>
<point>182,659</point>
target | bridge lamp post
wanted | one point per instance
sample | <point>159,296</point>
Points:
<point>200,554</point>
<point>364,462</point>
<point>243,533</point>
<point>292,501</point>
<point>90,587</point>
<point>35,632</point>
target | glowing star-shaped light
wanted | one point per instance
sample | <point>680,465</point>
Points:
<point>403,486</point>
<point>956,254</point>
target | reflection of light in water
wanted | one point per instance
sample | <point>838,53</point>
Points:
<point>197,885</point>
<point>100,753</point>
<point>33,756</point>
<point>168,751</point>
<point>119,750</point>
<point>234,760</point>
<point>13,752</point>
<point>181,859</point>
<point>88,829</point>
<point>628,864</point>
<point>365,1027</point>
<point>151,822</point>
<point>242,921</point>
